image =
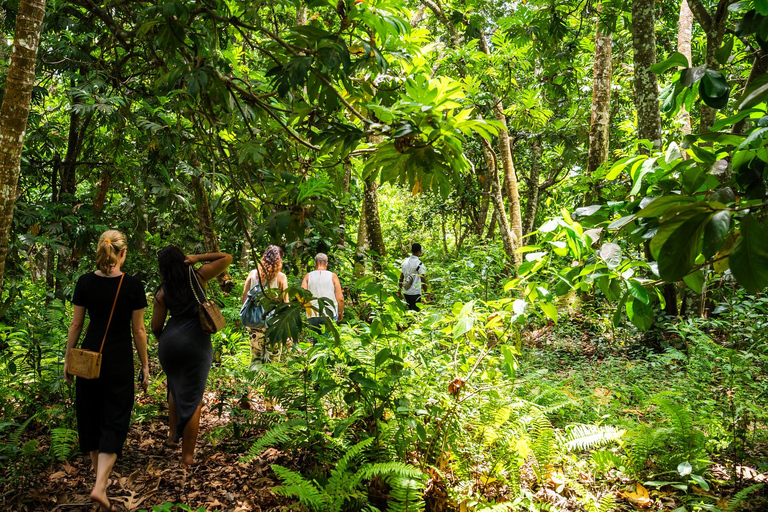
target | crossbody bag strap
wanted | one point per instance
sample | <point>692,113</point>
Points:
<point>119,285</point>
<point>194,292</point>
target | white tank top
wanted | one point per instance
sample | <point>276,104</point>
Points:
<point>320,284</point>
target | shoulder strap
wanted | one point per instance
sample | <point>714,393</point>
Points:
<point>194,292</point>
<point>119,285</point>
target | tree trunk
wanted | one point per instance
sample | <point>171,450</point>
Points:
<point>684,31</point>
<point>599,142</point>
<point>485,199</point>
<point>714,28</point>
<point>534,189</point>
<point>508,167</point>
<point>362,244</point>
<point>372,221</point>
<point>14,112</point>
<point>210,241</point>
<point>102,188</point>
<point>646,85</point>
<point>498,202</point>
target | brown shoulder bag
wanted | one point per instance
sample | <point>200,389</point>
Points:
<point>211,318</point>
<point>86,364</point>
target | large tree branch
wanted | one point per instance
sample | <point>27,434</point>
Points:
<point>701,14</point>
<point>445,21</point>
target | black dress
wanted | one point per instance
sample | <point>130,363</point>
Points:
<point>103,405</point>
<point>186,354</point>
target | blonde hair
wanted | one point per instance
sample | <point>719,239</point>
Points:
<point>111,243</point>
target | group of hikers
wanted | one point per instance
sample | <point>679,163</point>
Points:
<point>115,301</point>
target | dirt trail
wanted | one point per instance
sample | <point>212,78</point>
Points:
<point>149,474</point>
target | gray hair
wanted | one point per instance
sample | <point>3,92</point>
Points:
<point>321,259</point>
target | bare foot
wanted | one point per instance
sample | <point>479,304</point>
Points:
<point>103,501</point>
<point>170,443</point>
<point>187,460</point>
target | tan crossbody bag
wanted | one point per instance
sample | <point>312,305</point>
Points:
<point>211,319</point>
<point>87,363</point>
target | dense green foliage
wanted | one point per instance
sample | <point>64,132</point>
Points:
<point>625,352</point>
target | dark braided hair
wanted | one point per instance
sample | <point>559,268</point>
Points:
<point>271,263</point>
<point>174,272</point>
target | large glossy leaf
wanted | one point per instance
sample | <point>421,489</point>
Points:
<point>715,232</point>
<point>714,89</point>
<point>749,257</point>
<point>640,313</point>
<point>675,60</point>
<point>678,254</point>
<point>660,205</point>
<point>756,93</point>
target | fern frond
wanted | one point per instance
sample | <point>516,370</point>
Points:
<point>15,438</point>
<point>280,434</point>
<point>63,441</point>
<point>584,437</point>
<point>498,507</point>
<point>296,486</point>
<point>739,497</point>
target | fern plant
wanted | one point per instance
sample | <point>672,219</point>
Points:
<point>345,484</point>
<point>63,442</point>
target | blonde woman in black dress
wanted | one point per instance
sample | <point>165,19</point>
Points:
<point>185,351</point>
<point>103,405</point>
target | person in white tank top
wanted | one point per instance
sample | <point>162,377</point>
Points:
<point>323,283</point>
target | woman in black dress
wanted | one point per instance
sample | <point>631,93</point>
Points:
<point>103,405</point>
<point>185,350</point>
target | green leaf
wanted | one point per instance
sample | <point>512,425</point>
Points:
<point>714,89</point>
<point>675,60</point>
<point>510,360</point>
<point>722,53</point>
<point>550,310</point>
<point>749,257</point>
<point>640,313</point>
<point>659,205</point>
<point>755,93</point>
<point>695,281</point>
<point>678,253</point>
<point>638,291</point>
<point>690,76</point>
<point>715,232</point>
<point>693,179</point>
<point>382,356</point>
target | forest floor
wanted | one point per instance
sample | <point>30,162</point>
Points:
<point>149,474</point>
<point>605,383</point>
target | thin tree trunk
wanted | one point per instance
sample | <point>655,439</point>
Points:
<point>534,189</point>
<point>485,199</point>
<point>714,28</point>
<point>15,111</point>
<point>372,221</point>
<point>600,123</point>
<point>102,188</point>
<point>646,85</point>
<point>205,218</point>
<point>508,167</point>
<point>491,233</point>
<point>362,244</point>
<point>498,201</point>
<point>684,31</point>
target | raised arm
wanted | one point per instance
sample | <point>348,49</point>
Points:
<point>75,328</point>
<point>339,295</point>
<point>215,263</point>
<point>140,340</point>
